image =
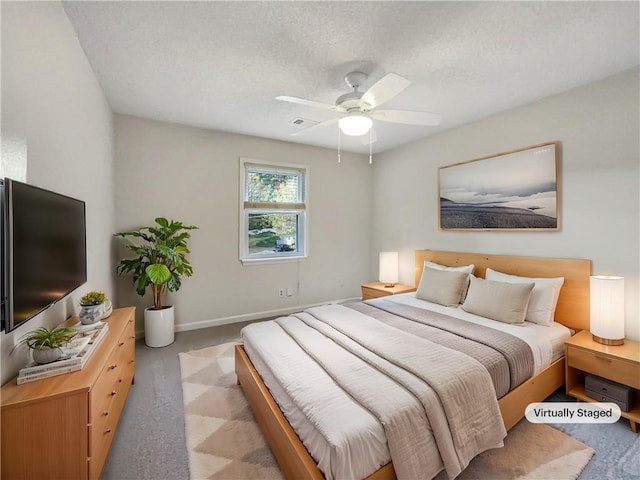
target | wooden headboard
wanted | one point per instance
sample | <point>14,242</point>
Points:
<point>573,305</point>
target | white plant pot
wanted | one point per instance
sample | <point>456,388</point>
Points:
<point>46,355</point>
<point>158,327</point>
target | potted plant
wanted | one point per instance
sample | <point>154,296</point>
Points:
<point>94,306</point>
<point>46,343</point>
<point>159,262</point>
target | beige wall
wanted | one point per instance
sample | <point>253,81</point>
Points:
<point>598,128</point>
<point>53,104</point>
<point>192,175</point>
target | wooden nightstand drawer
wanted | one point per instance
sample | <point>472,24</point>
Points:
<point>605,366</point>
<point>373,293</point>
<point>377,290</point>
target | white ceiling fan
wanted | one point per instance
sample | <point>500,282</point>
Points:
<point>358,109</point>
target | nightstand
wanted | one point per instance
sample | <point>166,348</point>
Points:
<point>619,363</point>
<point>377,289</point>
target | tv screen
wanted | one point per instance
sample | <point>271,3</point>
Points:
<point>45,249</point>
<point>3,274</point>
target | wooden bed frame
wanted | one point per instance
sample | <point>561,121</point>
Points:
<point>572,311</point>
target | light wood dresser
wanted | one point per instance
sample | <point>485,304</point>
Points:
<point>63,426</point>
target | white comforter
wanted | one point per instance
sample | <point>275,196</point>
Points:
<point>347,440</point>
<point>438,416</point>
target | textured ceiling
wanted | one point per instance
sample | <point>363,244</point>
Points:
<point>220,65</point>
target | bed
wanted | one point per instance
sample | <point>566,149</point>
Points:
<point>571,311</point>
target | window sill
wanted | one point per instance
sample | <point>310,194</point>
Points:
<point>267,261</point>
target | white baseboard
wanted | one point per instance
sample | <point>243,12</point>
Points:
<point>214,322</point>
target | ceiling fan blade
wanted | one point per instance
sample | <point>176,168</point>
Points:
<point>308,103</point>
<point>408,116</point>
<point>313,128</point>
<point>385,89</point>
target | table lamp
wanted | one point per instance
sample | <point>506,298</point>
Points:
<point>388,268</point>
<point>607,309</point>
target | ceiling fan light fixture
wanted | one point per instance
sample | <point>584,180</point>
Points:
<point>355,125</point>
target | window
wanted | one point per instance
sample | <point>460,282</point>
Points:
<point>272,211</point>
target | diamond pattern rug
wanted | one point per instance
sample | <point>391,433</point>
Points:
<point>224,441</point>
<point>223,438</point>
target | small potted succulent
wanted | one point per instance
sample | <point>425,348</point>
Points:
<point>46,343</point>
<point>95,306</point>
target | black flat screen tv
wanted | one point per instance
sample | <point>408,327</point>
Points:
<point>44,251</point>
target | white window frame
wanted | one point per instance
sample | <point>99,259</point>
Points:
<point>301,209</point>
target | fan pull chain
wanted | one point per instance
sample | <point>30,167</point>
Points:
<point>370,144</point>
<point>338,143</point>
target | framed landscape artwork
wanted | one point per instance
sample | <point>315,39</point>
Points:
<point>515,190</point>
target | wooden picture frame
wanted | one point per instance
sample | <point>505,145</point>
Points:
<point>516,190</point>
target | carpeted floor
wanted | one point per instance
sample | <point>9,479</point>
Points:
<point>224,441</point>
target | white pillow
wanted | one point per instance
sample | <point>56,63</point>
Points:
<point>441,286</point>
<point>437,266</point>
<point>465,268</point>
<point>544,297</point>
<point>501,301</point>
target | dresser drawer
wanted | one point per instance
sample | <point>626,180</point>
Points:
<point>99,443</point>
<point>615,369</point>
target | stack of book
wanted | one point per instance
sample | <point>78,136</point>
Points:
<point>75,355</point>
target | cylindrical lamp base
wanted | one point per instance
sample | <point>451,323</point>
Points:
<point>607,341</point>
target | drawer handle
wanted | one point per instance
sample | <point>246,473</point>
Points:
<point>120,344</point>
<point>108,430</point>
<point>111,367</point>
<point>113,393</point>
<point>603,359</point>
<point>106,414</point>
<point>119,380</point>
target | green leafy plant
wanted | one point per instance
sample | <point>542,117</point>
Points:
<point>44,337</point>
<point>160,258</point>
<point>92,298</point>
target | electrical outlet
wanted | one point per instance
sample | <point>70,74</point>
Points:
<point>281,292</point>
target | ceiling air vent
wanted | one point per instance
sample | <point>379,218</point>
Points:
<point>304,122</point>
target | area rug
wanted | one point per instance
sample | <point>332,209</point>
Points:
<point>224,441</point>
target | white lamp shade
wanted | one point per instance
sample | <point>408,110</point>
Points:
<point>607,308</point>
<point>388,267</point>
<point>355,125</point>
